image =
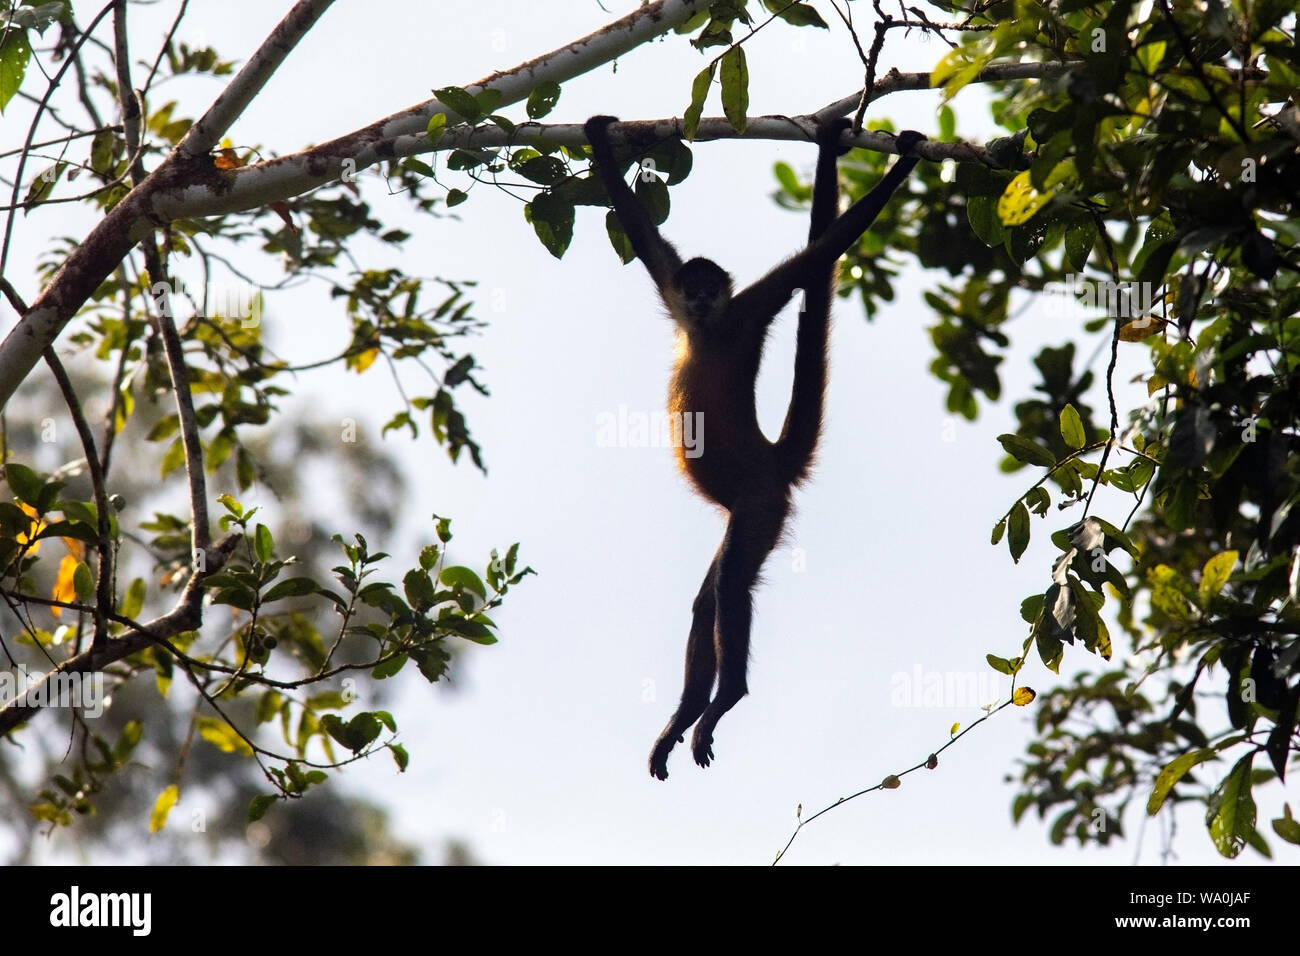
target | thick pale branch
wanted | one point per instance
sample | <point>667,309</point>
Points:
<point>204,135</point>
<point>133,218</point>
<point>154,201</point>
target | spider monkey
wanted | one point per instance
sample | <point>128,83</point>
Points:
<point>720,336</point>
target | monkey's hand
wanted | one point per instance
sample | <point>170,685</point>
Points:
<point>597,129</point>
<point>702,742</point>
<point>907,141</point>
<point>830,131</point>
<point>659,756</point>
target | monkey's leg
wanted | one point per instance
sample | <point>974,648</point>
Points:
<point>701,664</point>
<point>755,527</point>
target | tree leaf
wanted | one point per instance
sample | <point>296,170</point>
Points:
<point>1072,428</point>
<point>699,93</point>
<point>735,88</point>
<point>222,736</point>
<point>1172,773</point>
<point>259,805</point>
<point>542,99</point>
<point>1215,574</point>
<point>162,807</point>
<point>1022,449</point>
<point>1018,531</point>
<point>1231,813</point>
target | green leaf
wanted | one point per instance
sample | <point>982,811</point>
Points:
<point>464,577</point>
<point>400,757</point>
<point>388,668</point>
<point>419,589</point>
<point>83,582</point>
<point>797,14</point>
<point>474,631</point>
<point>542,99</point>
<point>1080,237</point>
<point>735,88</point>
<point>487,100</point>
<point>459,101</point>
<point>263,544</point>
<point>1072,428</point>
<point>981,213</point>
<point>544,170</point>
<point>1287,829</point>
<point>419,166</point>
<point>165,428</point>
<point>947,124</point>
<point>259,805</point>
<point>174,459</point>
<point>998,530</point>
<point>131,734</point>
<point>699,93</point>
<point>1018,536</point>
<point>289,587</point>
<point>552,219</point>
<point>1231,813</point>
<point>1215,574</point>
<point>15,53</point>
<point>1022,449</point>
<point>24,483</point>
<point>999,664</point>
<point>1172,773</point>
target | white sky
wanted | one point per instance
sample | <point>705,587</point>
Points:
<point>541,757</point>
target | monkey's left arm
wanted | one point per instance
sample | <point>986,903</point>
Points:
<point>775,289</point>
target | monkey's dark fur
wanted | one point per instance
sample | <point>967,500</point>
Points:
<point>720,339</point>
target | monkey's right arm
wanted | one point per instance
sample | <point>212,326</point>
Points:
<point>845,232</point>
<point>656,253</point>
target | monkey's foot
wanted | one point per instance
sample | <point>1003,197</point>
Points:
<point>702,744</point>
<point>659,756</point>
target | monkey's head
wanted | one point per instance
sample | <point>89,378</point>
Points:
<point>705,288</point>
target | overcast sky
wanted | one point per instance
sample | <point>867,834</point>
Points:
<point>540,756</point>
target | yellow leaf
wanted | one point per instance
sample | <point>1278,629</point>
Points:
<point>222,736</point>
<point>363,360</point>
<point>1023,696</point>
<point>1020,200</point>
<point>1140,329</point>
<point>63,589</point>
<point>40,526</point>
<point>1215,574</point>
<point>227,158</point>
<point>1155,383</point>
<point>952,732</point>
<point>163,806</point>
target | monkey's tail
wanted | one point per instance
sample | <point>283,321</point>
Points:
<point>796,449</point>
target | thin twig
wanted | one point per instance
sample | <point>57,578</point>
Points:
<point>929,762</point>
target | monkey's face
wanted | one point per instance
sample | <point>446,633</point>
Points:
<point>705,289</point>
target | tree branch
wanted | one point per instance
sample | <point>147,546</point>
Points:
<point>152,203</point>
<point>185,616</point>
